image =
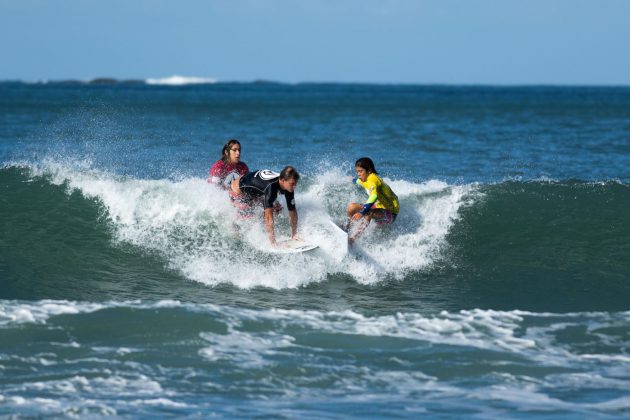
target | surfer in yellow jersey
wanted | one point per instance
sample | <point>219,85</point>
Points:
<point>381,206</point>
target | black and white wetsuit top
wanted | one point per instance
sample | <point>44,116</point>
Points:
<point>264,184</point>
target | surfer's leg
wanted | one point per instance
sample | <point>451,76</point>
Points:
<point>357,227</point>
<point>382,216</point>
<point>353,208</point>
<point>244,207</point>
<point>245,210</point>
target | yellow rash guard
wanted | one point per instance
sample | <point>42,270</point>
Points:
<point>380,195</point>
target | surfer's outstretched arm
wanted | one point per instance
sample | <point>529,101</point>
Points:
<point>269,226</point>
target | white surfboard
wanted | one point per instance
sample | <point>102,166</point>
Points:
<point>340,236</point>
<point>289,246</point>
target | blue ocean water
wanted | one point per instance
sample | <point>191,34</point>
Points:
<point>502,290</point>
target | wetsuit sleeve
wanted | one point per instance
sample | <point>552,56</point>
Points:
<point>271,194</point>
<point>290,200</point>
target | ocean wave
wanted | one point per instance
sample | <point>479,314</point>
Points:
<point>249,337</point>
<point>538,246</point>
<point>180,81</point>
<point>191,225</point>
<point>172,350</point>
<point>534,245</point>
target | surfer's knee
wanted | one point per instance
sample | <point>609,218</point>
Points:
<point>353,208</point>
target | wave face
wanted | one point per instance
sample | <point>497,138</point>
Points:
<point>528,245</point>
<point>189,226</point>
<point>547,245</point>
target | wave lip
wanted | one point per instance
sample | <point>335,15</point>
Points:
<point>177,80</point>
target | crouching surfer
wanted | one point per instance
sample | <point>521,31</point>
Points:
<point>265,185</point>
<point>381,206</point>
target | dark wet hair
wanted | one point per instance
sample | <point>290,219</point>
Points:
<point>289,172</point>
<point>367,164</point>
<point>225,152</point>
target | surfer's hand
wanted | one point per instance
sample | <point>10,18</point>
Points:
<point>277,207</point>
<point>357,216</point>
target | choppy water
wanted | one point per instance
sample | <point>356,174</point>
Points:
<point>502,289</point>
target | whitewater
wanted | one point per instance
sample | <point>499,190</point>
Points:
<point>190,223</point>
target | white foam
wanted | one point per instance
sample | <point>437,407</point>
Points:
<point>190,223</point>
<point>504,331</point>
<point>620,358</point>
<point>118,385</point>
<point>477,328</point>
<point>419,234</point>
<point>618,404</point>
<point>404,189</point>
<point>112,384</point>
<point>590,380</point>
<point>65,406</point>
<point>251,349</point>
<point>121,351</point>
<point>12,312</point>
<point>526,397</point>
<point>529,397</point>
<point>161,402</point>
<point>20,312</point>
<point>176,80</point>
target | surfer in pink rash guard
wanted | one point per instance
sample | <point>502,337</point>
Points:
<point>229,166</point>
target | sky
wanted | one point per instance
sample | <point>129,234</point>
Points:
<point>497,42</point>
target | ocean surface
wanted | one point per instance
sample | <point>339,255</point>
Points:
<point>501,291</point>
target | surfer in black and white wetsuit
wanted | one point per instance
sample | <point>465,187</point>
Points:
<point>265,185</point>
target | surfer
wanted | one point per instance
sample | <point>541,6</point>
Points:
<point>265,185</point>
<point>381,206</point>
<point>229,167</point>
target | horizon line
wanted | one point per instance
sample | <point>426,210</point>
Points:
<point>190,81</point>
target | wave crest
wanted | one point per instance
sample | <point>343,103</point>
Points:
<point>176,80</point>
